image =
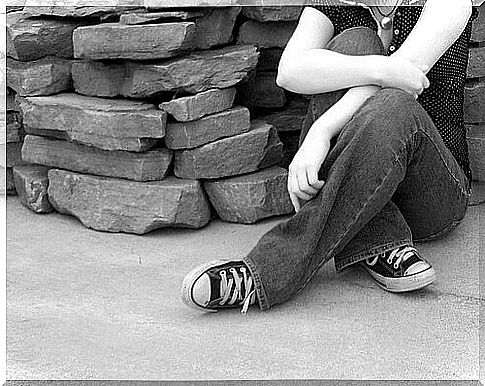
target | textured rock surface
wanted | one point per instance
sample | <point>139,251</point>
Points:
<point>148,166</point>
<point>251,197</point>
<point>288,119</point>
<point>59,8</point>
<point>31,184</point>
<point>244,153</point>
<point>216,26</point>
<point>266,35</point>
<point>13,127</point>
<point>261,90</point>
<point>474,97</point>
<point>476,65</point>
<point>135,42</point>
<point>45,76</point>
<point>221,68</point>
<point>269,59</point>
<point>272,13</point>
<point>107,124</point>
<point>9,182</point>
<point>11,103</point>
<point>196,106</point>
<point>12,151</point>
<point>187,135</point>
<point>476,147</point>
<point>115,205</point>
<point>31,39</point>
<point>478,28</point>
<point>134,18</point>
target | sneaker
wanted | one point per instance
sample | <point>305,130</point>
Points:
<point>219,285</point>
<point>400,270</point>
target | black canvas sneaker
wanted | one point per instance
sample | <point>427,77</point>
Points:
<point>400,270</point>
<point>219,285</point>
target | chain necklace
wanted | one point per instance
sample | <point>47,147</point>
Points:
<point>386,21</point>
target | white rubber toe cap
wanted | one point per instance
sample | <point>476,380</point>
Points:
<point>201,290</point>
<point>420,266</point>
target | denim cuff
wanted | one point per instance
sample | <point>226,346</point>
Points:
<point>258,284</point>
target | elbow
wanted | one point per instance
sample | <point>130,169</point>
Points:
<point>284,77</point>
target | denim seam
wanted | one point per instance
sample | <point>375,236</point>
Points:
<point>441,232</point>
<point>258,284</point>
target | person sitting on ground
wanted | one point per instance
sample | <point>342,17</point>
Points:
<point>383,159</point>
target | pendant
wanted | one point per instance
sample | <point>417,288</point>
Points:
<point>386,23</point>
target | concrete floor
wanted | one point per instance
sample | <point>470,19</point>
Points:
<point>83,304</point>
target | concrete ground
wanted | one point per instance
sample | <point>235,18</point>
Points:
<point>83,304</point>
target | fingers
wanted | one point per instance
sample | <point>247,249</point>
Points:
<point>303,184</point>
<point>312,176</point>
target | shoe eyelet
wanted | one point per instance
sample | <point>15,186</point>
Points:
<point>222,273</point>
<point>242,269</point>
<point>389,261</point>
<point>233,270</point>
<point>396,266</point>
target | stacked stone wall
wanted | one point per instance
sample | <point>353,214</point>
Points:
<point>136,118</point>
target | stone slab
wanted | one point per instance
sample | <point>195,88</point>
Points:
<point>105,123</point>
<point>216,27</point>
<point>135,42</point>
<point>31,184</point>
<point>59,8</point>
<point>261,91</point>
<point>473,103</point>
<point>45,76</point>
<point>11,103</point>
<point>197,72</point>
<point>266,35</point>
<point>12,152</point>
<point>31,39</point>
<point>244,153</point>
<point>288,119</point>
<point>476,62</point>
<point>251,197</point>
<point>478,27</point>
<point>196,106</point>
<point>187,135</point>
<point>115,205</point>
<point>9,182</point>
<point>147,166</point>
<point>273,13</point>
<point>476,149</point>
<point>133,18</point>
<point>13,132</point>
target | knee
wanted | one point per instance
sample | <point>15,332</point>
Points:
<point>357,41</point>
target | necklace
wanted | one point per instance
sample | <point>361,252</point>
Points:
<point>386,21</point>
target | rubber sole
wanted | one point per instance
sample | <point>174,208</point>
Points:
<point>403,284</point>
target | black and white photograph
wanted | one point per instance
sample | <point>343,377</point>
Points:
<point>268,191</point>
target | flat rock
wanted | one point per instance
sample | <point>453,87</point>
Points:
<point>12,153</point>
<point>11,103</point>
<point>58,8</point>
<point>261,90</point>
<point>134,18</point>
<point>105,123</point>
<point>31,184</point>
<point>9,182</point>
<point>135,42</point>
<point>13,127</point>
<point>31,39</point>
<point>273,13</point>
<point>116,205</point>
<point>148,166</point>
<point>476,67</point>
<point>244,153</point>
<point>45,76</point>
<point>478,26</point>
<point>251,197</point>
<point>266,35</point>
<point>473,103</point>
<point>187,135</point>
<point>288,119</point>
<point>216,26</point>
<point>476,149</point>
<point>197,72</point>
<point>196,106</point>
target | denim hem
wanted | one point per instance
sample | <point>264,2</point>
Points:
<point>258,284</point>
<point>352,259</point>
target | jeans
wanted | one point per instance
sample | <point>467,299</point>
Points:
<point>389,180</point>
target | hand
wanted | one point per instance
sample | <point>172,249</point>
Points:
<point>402,74</point>
<point>303,182</point>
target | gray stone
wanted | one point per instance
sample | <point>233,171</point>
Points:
<point>115,205</point>
<point>31,184</point>
<point>135,42</point>
<point>152,17</point>
<point>13,126</point>
<point>31,39</point>
<point>478,27</point>
<point>476,149</point>
<point>244,153</point>
<point>45,76</point>
<point>196,106</point>
<point>104,123</point>
<point>251,197</point>
<point>12,153</point>
<point>187,135</point>
<point>288,119</point>
<point>473,103</point>
<point>476,64</point>
<point>197,72</point>
<point>216,26</point>
<point>269,59</point>
<point>273,13</point>
<point>9,182</point>
<point>58,8</point>
<point>261,90</point>
<point>148,166</point>
<point>266,35</point>
<point>11,103</point>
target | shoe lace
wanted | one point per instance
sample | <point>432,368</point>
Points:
<point>234,284</point>
<point>399,254</point>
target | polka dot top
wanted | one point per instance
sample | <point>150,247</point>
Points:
<point>443,100</point>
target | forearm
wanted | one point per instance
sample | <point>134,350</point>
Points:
<point>318,71</point>
<point>336,117</point>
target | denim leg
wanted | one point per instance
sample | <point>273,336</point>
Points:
<point>390,149</point>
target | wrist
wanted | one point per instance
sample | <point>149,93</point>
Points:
<point>378,69</point>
